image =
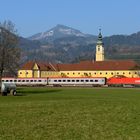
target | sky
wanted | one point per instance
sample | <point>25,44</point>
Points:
<point>34,16</point>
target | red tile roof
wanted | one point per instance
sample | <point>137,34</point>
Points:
<point>86,66</point>
<point>42,66</point>
<point>28,66</point>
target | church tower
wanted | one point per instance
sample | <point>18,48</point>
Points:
<point>99,48</point>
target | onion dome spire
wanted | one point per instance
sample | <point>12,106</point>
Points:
<point>100,39</point>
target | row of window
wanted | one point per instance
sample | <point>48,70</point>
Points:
<point>102,73</point>
<point>51,73</point>
<point>47,73</point>
<point>53,81</point>
<point>76,80</point>
<point>21,81</point>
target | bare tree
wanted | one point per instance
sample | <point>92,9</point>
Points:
<point>9,51</point>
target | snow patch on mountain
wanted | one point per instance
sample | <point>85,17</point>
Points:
<point>58,31</point>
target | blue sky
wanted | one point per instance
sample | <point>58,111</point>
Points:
<point>33,16</point>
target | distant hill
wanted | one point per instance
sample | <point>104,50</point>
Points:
<point>65,44</point>
<point>123,46</point>
<point>59,31</point>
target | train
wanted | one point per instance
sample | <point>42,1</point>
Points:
<point>56,81</point>
<point>74,81</point>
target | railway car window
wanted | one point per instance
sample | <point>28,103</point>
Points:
<point>68,80</point>
<point>64,80</point>
<point>59,80</point>
<point>96,80</point>
<point>73,80</point>
<point>39,80</point>
<point>91,80</point>
<point>15,80</point>
<point>11,80</point>
<point>31,80</point>
<point>55,80</point>
<point>7,80</point>
<point>23,80</point>
<point>77,80</point>
<point>34,80</point>
<point>27,80</point>
<point>82,80</point>
<point>19,80</point>
<point>87,80</point>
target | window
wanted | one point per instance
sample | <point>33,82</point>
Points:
<point>129,73</point>
<point>111,73</point>
<point>20,73</point>
<point>82,80</point>
<point>98,48</point>
<point>67,73</point>
<point>39,80</point>
<point>135,72</point>
<point>100,73</point>
<point>64,80</point>
<point>117,73</point>
<point>31,80</point>
<point>73,73</point>
<point>91,80</point>
<point>19,80</point>
<point>87,80</point>
<point>68,80</point>
<point>96,80</point>
<point>73,80</point>
<point>26,72</point>
<point>34,80</point>
<point>106,73</point>
<point>7,80</point>
<point>123,72</point>
<point>23,80</point>
<point>55,80</point>
<point>95,73</point>
<point>11,80</point>
<point>59,80</point>
<point>79,73</point>
<point>77,80</point>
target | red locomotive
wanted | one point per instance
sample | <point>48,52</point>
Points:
<point>123,81</point>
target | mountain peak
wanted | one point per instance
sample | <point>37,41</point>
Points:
<point>61,26</point>
<point>59,31</point>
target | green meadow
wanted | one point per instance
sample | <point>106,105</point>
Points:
<point>71,114</point>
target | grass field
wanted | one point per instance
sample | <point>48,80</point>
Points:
<point>70,114</point>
